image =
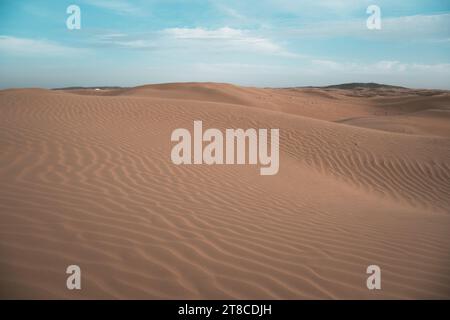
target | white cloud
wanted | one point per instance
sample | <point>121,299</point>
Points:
<point>25,46</point>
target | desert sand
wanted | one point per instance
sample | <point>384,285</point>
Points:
<point>86,179</point>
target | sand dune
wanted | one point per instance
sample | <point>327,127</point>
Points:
<point>86,179</point>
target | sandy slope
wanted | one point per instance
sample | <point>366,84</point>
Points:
<point>86,179</point>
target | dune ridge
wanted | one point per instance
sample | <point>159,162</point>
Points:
<point>86,179</point>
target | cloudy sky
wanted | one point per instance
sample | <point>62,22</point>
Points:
<point>273,43</point>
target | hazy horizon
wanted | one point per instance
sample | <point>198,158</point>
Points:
<point>75,87</point>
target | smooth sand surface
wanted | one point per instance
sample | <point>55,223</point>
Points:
<point>86,179</point>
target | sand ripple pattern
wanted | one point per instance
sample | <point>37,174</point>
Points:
<point>88,180</point>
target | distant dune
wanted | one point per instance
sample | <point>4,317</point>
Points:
<point>86,179</point>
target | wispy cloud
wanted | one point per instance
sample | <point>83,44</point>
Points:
<point>305,8</point>
<point>117,6</point>
<point>229,39</point>
<point>230,12</point>
<point>417,27</point>
<point>25,46</point>
<point>381,67</point>
<point>224,33</point>
<point>197,39</point>
<point>126,41</point>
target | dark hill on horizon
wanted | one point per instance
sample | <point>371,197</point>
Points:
<point>365,85</point>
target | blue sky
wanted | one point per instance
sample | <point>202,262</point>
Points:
<point>274,43</point>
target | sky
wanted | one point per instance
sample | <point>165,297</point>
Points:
<point>264,43</point>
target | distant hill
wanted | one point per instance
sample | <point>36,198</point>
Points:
<point>89,88</point>
<point>344,86</point>
<point>370,85</point>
